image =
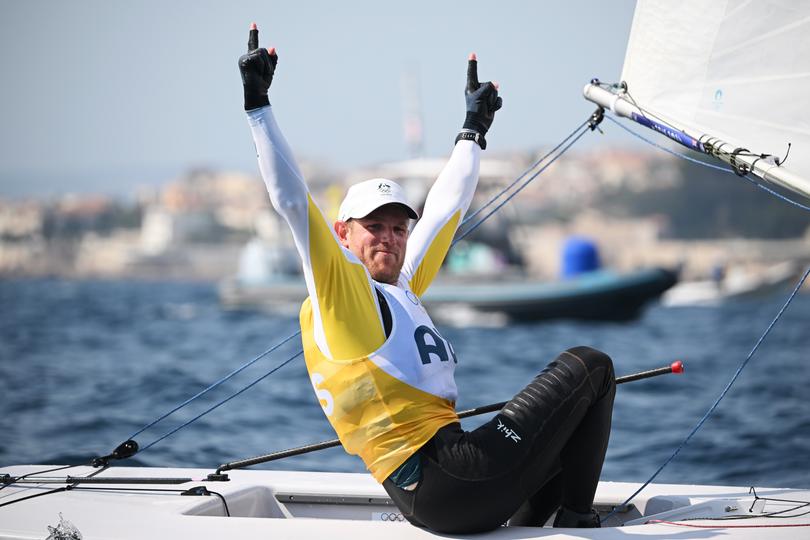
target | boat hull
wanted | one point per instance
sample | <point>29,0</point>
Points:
<point>287,504</point>
<point>599,295</point>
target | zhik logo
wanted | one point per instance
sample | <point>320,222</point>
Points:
<point>508,432</point>
<point>382,187</point>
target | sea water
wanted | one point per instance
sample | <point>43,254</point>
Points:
<point>86,364</point>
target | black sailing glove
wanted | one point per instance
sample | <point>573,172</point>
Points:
<point>257,68</point>
<point>482,102</point>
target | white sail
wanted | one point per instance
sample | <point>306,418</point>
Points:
<point>735,70</point>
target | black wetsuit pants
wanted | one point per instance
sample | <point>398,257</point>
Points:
<point>544,449</point>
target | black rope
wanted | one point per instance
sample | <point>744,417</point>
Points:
<point>8,480</point>
<point>780,162</point>
<point>195,491</point>
<point>204,491</point>
<point>740,169</point>
<point>752,490</point>
<point>28,497</point>
<point>56,490</point>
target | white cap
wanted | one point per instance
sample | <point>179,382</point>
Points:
<point>365,197</point>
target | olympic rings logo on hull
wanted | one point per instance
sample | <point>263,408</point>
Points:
<point>387,516</point>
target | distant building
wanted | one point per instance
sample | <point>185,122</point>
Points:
<point>20,220</point>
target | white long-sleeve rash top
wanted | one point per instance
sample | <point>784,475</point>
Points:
<point>385,395</point>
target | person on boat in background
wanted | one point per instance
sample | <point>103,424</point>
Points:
<point>384,374</point>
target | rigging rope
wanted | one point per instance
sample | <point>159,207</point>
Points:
<point>223,402</point>
<point>57,490</point>
<point>7,479</point>
<point>720,397</point>
<point>214,385</point>
<point>519,178</point>
<point>583,129</point>
<point>576,134</point>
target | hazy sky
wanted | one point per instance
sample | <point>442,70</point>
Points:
<point>108,94</point>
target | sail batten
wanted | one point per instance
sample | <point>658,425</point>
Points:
<point>756,40</point>
<point>733,70</point>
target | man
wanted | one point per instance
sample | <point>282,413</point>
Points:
<point>384,374</point>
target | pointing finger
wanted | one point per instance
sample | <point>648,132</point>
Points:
<point>272,57</point>
<point>472,74</point>
<point>253,39</point>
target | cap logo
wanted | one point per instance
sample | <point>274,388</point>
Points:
<point>382,187</point>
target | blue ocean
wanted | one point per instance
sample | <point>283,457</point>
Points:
<point>86,364</point>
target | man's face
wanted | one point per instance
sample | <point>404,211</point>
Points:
<point>378,240</point>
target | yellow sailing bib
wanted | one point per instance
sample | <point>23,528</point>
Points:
<point>388,404</point>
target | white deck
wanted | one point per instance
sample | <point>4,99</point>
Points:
<point>278,504</point>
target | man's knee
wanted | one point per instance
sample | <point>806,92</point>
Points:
<point>594,360</point>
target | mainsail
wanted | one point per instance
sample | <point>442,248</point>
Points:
<point>729,78</point>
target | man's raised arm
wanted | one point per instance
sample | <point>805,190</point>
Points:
<point>451,194</point>
<point>341,294</point>
<point>285,184</point>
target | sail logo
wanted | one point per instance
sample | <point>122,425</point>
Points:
<point>509,433</point>
<point>717,104</point>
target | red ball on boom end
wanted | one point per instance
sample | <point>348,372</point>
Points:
<point>676,366</point>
